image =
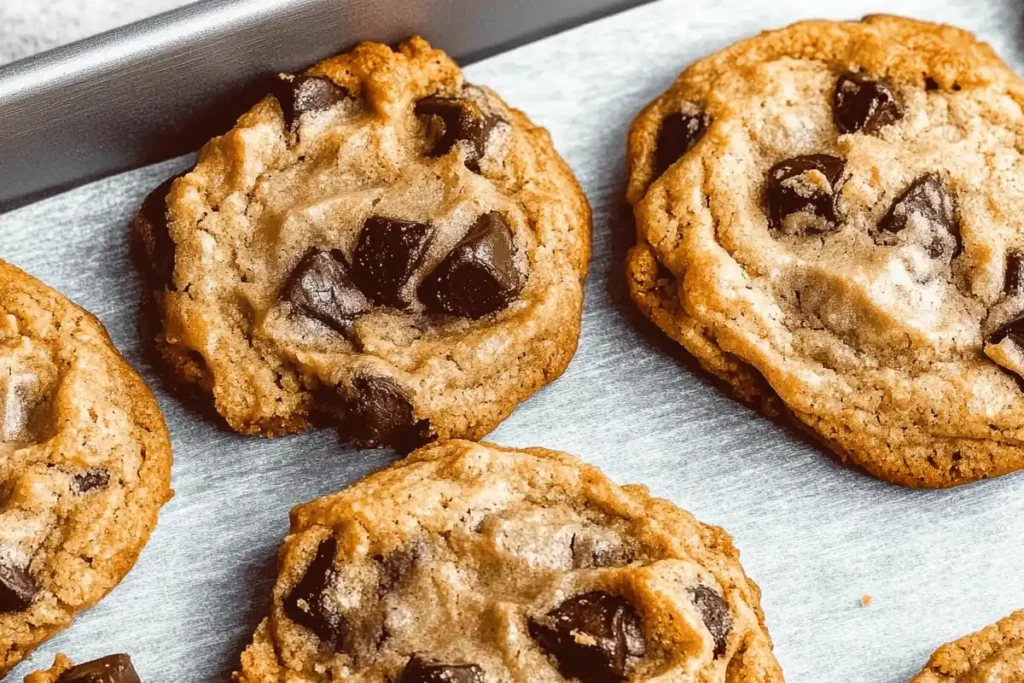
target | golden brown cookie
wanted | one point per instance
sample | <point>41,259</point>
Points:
<point>828,219</point>
<point>379,242</point>
<point>471,563</point>
<point>85,463</point>
<point>994,654</point>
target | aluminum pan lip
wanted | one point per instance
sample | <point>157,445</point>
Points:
<point>161,87</point>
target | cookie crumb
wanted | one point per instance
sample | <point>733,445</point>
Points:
<point>865,600</point>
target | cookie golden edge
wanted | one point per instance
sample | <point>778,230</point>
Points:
<point>754,660</point>
<point>949,55</point>
<point>540,364</point>
<point>978,655</point>
<point>146,414</point>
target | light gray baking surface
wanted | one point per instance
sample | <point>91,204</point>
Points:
<point>815,536</point>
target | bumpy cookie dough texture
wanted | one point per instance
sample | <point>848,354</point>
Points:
<point>378,240</point>
<point>471,563</point>
<point>84,463</point>
<point>831,214</point>
<point>993,655</point>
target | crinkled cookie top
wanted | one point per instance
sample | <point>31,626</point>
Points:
<point>84,463</point>
<point>832,212</point>
<point>474,564</point>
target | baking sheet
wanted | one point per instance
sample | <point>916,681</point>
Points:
<point>816,537</point>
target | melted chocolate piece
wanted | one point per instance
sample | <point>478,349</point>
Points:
<point>388,253</point>
<point>374,411</point>
<point>807,185</point>
<point>419,670</point>
<point>95,478</point>
<point>1014,273</point>
<point>112,669</point>
<point>678,134</point>
<point>300,95</point>
<point>322,288</point>
<point>461,119</point>
<point>591,636</point>
<point>160,248</point>
<point>1013,328</point>
<point>861,105</point>
<point>714,611</point>
<point>307,605</point>
<point>479,276</point>
<point>17,589</point>
<point>929,201</point>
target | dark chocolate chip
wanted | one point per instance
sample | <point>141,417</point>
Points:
<point>462,120</point>
<point>388,253</point>
<point>17,589</point>
<point>808,186</point>
<point>479,276</point>
<point>396,567</point>
<point>862,105</point>
<point>678,134</point>
<point>374,411</point>
<point>1014,273</point>
<point>589,552</point>
<point>300,95</point>
<point>160,247</point>
<point>714,611</point>
<point>322,288</point>
<point>112,669</point>
<point>419,670</point>
<point>1013,328</point>
<point>929,201</point>
<point>930,83</point>
<point>307,604</point>
<point>95,478</point>
<point>591,636</point>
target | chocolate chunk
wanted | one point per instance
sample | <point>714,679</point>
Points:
<point>589,552</point>
<point>321,287</point>
<point>419,670</point>
<point>159,245</point>
<point>861,105</point>
<point>929,208</point>
<point>374,411</point>
<point>1013,328</point>
<point>396,567</point>
<point>17,589</point>
<point>94,478</point>
<point>479,276</point>
<point>678,134</point>
<point>714,611</point>
<point>307,604</point>
<point>805,186</point>
<point>112,669</point>
<point>1014,273</point>
<point>462,120</point>
<point>591,636</point>
<point>388,253</point>
<point>300,95</point>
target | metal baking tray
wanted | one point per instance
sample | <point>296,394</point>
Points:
<point>815,536</point>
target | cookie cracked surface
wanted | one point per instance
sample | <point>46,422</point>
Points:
<point>378,241</point>
<point>828,218</point>
<point>470,563</point>
<point>994,654</point>
<point>84,463</point>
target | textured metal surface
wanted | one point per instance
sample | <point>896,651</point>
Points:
<point>815,536</point>
<point>161,87</point>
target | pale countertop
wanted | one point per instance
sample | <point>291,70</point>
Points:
<point>31,26</point>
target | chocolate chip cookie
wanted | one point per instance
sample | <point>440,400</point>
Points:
<point>377,242</point>
<point>828,218</point>
<point>84,463</point>
<point>994,654</point>
<point>111,669</point>
<point>471,563</point>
